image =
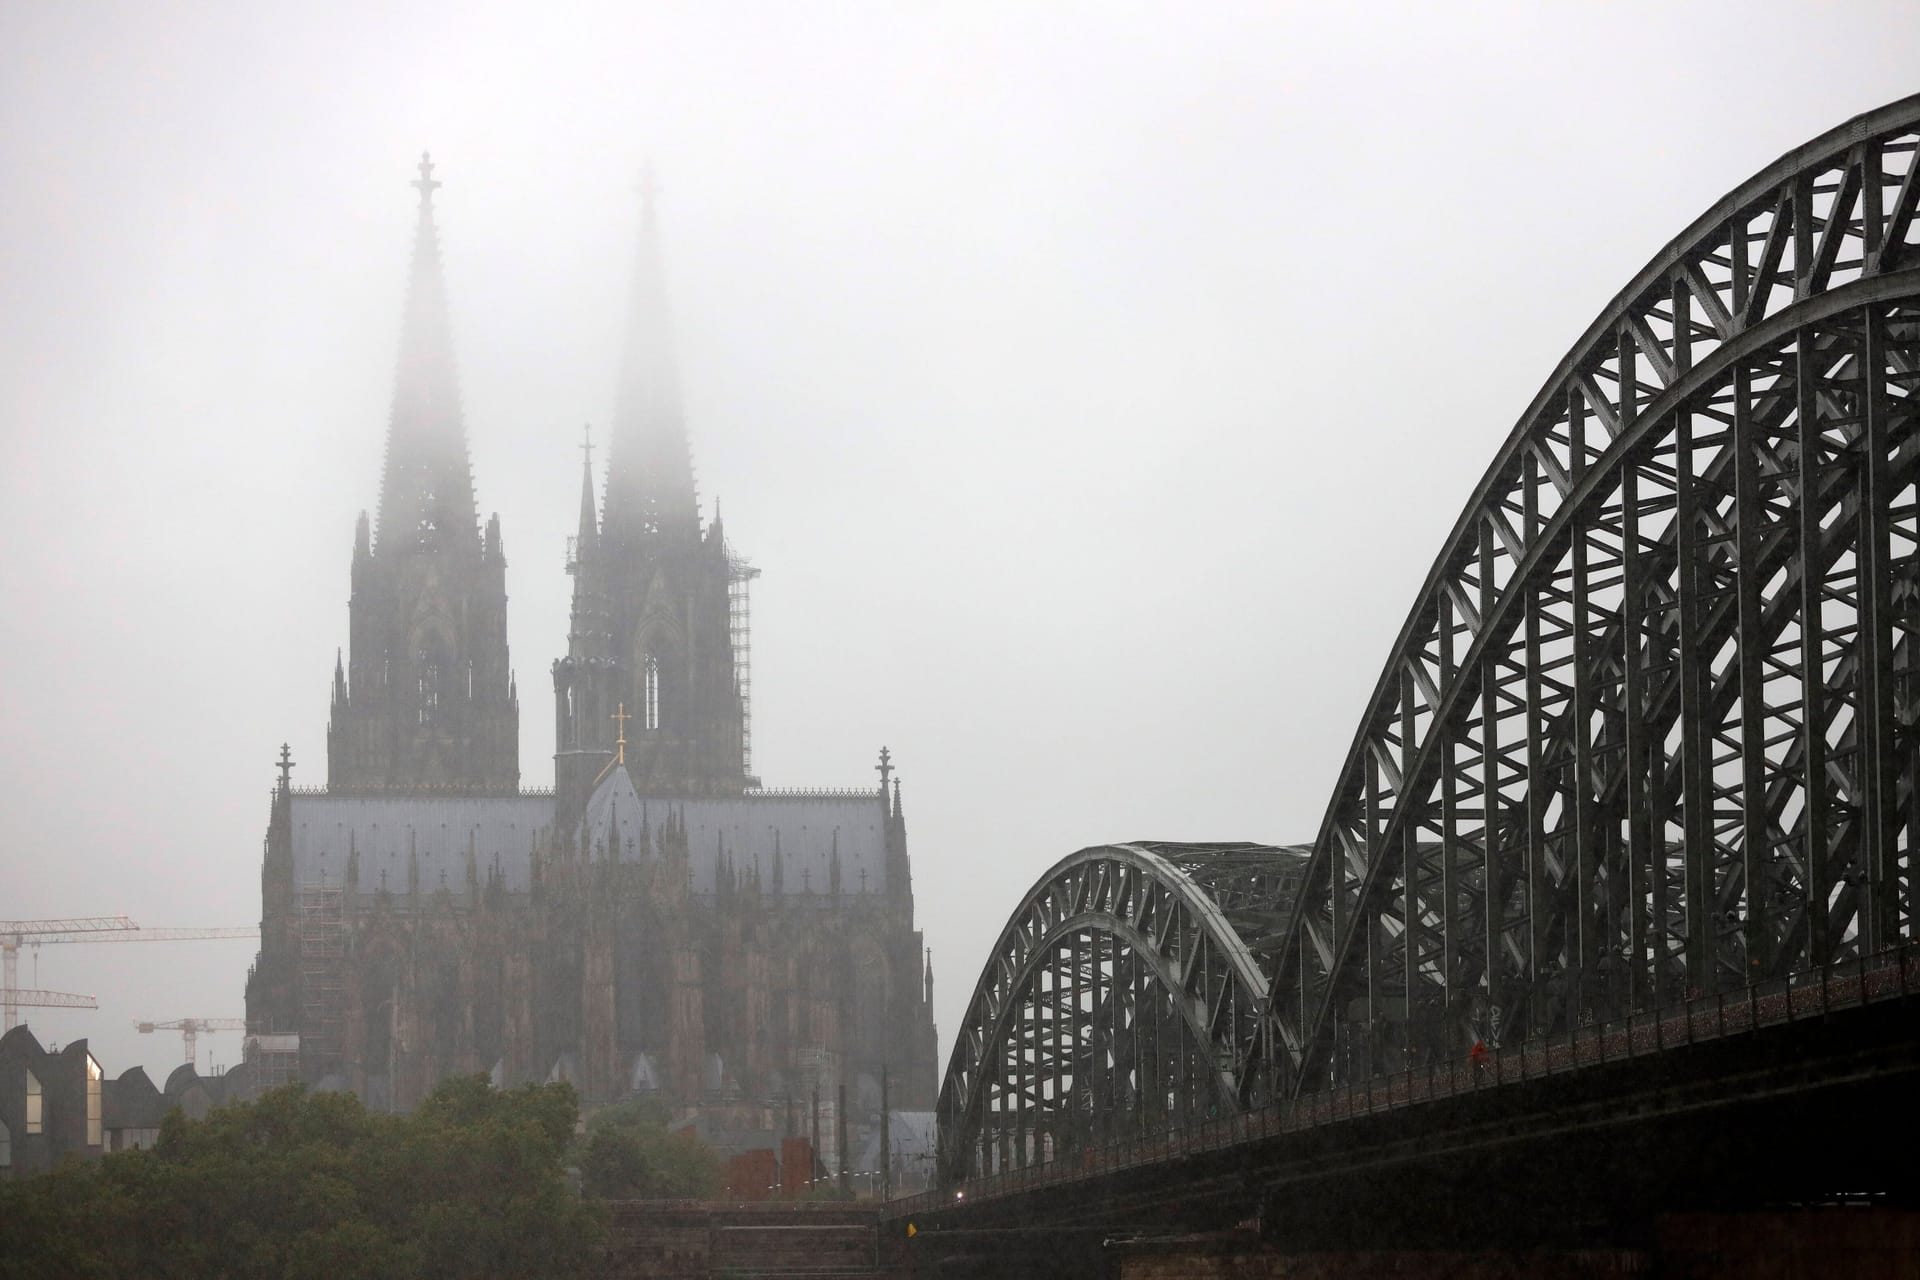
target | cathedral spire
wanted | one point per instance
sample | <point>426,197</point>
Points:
<point>650,472</point>
<point>589,533</point>
<point>428,699</point>
<point>426,493</point>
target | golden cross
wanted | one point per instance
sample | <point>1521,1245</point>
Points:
<point>621,717</point>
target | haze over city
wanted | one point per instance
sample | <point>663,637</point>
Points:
<point>1092,387</point>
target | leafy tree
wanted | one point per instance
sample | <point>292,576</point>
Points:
<point>628,1154</point>
<point>307,1186</point>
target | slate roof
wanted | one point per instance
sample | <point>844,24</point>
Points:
<point>807,829</point>
<point>500,830</point>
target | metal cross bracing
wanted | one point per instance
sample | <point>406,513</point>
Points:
<point>1121,1001</point>
<point>1650,734</point>
<point>1648,731</point>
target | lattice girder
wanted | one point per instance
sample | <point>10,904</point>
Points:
<point>1649,726</point>
<point>1121,999</point>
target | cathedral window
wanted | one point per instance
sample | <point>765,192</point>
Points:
<point>650,705</point>
<point>36,1113</point>
<point>429,689</point>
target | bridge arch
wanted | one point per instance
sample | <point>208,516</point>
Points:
<point>1122,999</point>
<point>1651,730</point>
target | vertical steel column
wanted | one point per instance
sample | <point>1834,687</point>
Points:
<point>1539,1019</point>
<point>1409,847</point>
<point>1494,857</point>
<point>1450,905</point>
<point>1625,937</point>
<point>1637,769</point>
<point>1025,1033</point>
<point>1696,769</point>
<point>1755,843</point>
<point>1365,918</point>
<point>1879,917</point>
<point>1813,643</point>
<point>1582,943</point>
<point>1660,802</point>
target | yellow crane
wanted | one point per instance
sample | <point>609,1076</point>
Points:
<point>190,1029</point>
<point>15,934</point>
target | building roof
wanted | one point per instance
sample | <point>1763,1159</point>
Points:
<point>743,833</point>
<point>440,831</point>
<point>807,830</point>
<point>132,1102</point>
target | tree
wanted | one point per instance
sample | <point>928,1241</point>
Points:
<point>628,1154</point>
<point>306,1185</point>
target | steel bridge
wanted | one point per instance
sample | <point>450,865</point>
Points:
<point>1641,776</point>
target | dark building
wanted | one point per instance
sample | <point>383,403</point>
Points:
<point>658,921</point>
<point>51,1104</point>
<point>133,1110</point>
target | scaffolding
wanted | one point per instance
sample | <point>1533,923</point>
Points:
<point>323,953</point>
<point>740,576</point>
<point>275,1058</point>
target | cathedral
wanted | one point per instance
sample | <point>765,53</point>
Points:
<point>658,922</point>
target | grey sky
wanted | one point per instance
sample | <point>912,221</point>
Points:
<point>1093,384</point>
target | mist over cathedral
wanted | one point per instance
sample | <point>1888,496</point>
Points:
<point>657,922</point>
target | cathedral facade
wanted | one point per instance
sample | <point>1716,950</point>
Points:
<point>658,921</point>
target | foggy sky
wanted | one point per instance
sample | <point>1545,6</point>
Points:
<point>1093,384</point>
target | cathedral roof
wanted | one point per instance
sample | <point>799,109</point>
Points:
<point>743,836</point>
<point>614,812</point>
<point>790,841</point>
<point>438,831</point>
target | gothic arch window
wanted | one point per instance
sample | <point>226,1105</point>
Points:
<point>650,693</point>
<point>36,1105</point>
<point>428,703</point>
<point>437,676</point>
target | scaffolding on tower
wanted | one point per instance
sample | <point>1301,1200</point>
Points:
<point>323,954</point>
<point>740,576</point>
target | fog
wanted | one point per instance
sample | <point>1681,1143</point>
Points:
<point>1092,384</point>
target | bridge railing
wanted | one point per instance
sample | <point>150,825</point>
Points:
<point>1892,974</point>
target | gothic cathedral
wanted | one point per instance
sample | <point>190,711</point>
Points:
<point>657,922</point>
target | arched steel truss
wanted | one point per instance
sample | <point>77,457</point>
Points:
<point>1650,727</point>
<point>1121,1001</point>
<point>1651,730</point>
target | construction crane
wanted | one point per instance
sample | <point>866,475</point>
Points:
<point>190,1029</point>
<point>17,996</point>
<point>15,934</point>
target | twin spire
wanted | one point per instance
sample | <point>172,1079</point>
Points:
<point>650,471</point>
<point>426,494</point>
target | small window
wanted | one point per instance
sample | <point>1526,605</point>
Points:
<point>6,1146</point>
<point>93,1102</point>
<point>35,1114</point>
<point>650,718</point>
